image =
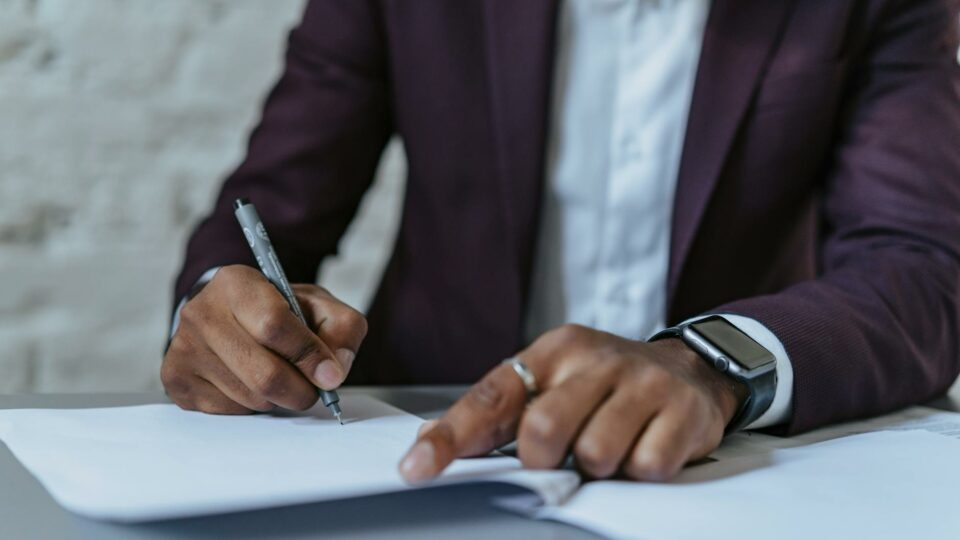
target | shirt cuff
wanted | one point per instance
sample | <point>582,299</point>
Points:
<point>204,279</point>
<point>781,409</point>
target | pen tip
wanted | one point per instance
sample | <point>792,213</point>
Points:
<point>334,407</point>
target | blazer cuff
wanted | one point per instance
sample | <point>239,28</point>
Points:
<point>203,280</point>
<point>781,410</point>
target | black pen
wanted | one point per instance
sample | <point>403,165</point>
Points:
<point>256,236</point>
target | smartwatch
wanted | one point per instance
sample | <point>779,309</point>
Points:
<point>735,354</point>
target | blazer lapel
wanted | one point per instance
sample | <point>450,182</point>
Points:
<point>520,50</point>
<point>740,37</point>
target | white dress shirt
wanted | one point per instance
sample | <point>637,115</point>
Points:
<point>623,82</point>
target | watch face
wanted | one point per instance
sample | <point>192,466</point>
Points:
<point>734,343</point>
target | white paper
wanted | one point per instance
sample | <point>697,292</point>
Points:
<point>927,419</point>
<point>922,418</point>
<point>887,484</point>
<point>157,461</point>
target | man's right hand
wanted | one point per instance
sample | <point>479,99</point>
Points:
<point>240,349</point>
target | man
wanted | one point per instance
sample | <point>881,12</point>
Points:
<point>626,165</point>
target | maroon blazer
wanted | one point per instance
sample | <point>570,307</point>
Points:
<point>819,191</point>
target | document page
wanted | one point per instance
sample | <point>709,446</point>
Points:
<point>882,485</point>
<point>943,423</point>
<point>936,421</point>
<point>157,461</point>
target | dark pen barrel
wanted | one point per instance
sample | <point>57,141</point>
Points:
<point>256,236</point>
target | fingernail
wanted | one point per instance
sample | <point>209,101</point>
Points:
<point>418,463</point>
<point>328,374</point>
<point>345,356</point>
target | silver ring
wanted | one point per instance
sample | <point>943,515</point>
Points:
<point>526,376</point>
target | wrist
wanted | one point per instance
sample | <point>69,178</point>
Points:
<point>728,394</point>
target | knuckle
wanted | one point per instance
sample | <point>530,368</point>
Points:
<point>348,324</point>
<point>180,347</point>
<point>174,380</point>
<point>540,425</point>
<point>231,274</point>
<point>567,334</point>
<point>650,466</point>
<point>595,457</point>
<point>656,379</point>
<point>270,326</point>
<point>191,313</point>
<point>486,396</point>
<point>227,272</point>
<point>357,322</point>
<point>177,388</point>
<point>225,278</point>
<point>269,383</point>
<point>351,317</point>
<point>610,362</point>
<point>688,399</point>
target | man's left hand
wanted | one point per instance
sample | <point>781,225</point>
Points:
<point>619,406</point>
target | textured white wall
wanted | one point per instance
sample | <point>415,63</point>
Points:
<point>118,120</point>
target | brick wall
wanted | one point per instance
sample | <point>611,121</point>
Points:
<point>118,119</point>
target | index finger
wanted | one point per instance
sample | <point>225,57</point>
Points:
<point>339,326</point>
<point>485,418</point>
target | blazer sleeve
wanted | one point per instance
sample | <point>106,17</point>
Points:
<point>879,328</point>
<point>315,150</point>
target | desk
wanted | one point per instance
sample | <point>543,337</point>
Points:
<point>28,512</point>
